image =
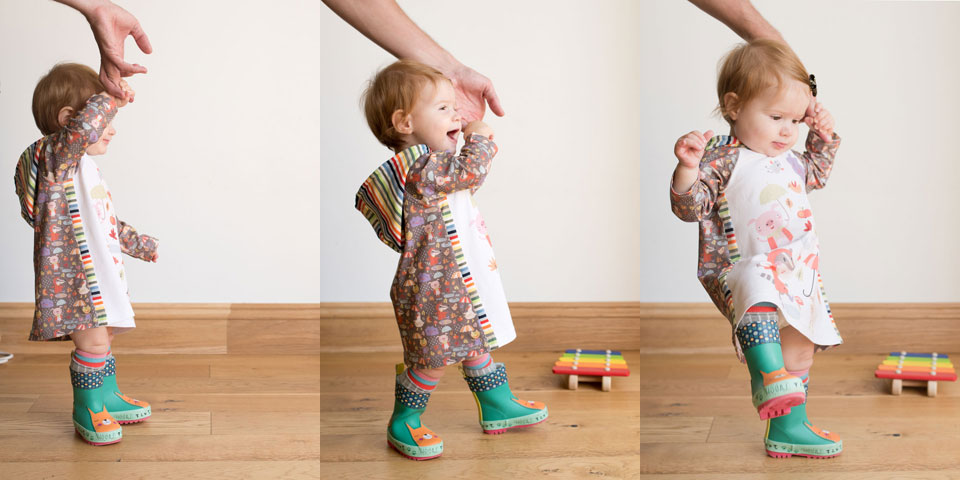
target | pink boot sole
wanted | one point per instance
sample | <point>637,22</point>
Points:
<point>411,458</point>
<point>502,430</point>
<point>788,455</point>
<point>127,422</point>
<point>779,406</point>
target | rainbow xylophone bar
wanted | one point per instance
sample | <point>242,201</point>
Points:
<point>917,366</point>
<point>604,363</point>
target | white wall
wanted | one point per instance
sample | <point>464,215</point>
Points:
<point>246,144</point>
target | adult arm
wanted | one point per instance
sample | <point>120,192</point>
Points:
<point>386,24</point>
<point>111,25</point>
<point>741,17</point>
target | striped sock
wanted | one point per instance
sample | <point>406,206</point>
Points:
<point>418,381</point>
<point>479,366</point>
<point>803,375</point>
<point>475,363</point>
<point>90,360</point>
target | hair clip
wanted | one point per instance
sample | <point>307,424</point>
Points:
<point>813,84</point>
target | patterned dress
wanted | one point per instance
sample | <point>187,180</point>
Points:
<point>68,296</point>
<point>447,295</point>
<point>758,240</point>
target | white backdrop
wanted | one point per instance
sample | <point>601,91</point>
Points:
<point>246,144</point>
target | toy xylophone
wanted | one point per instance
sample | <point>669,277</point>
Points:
<point>591,366</point>
<point>916,370</point>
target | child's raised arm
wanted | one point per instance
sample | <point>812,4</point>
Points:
<point>708,179</point>
<point>821,147</point>
<point>445,172</point>
<point>83,129</point>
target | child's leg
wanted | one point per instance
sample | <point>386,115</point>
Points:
<point>124,409</point>
<point>405,433</point>
<point>797,349</point>
<point>774,390</point>
<point>91,419</point>
<point>499,409</point>
<point>93,340</point>
<point>793,434</point>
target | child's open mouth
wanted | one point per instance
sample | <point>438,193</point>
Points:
<point>452,134</point>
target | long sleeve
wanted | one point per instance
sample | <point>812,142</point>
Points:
<point>818,159</point>
<point>67,146</point>
<point>699,201</point>
<point>444,172</point>
<point>139,246</point>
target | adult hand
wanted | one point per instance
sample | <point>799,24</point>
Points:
<point>111,25</point>
<point>474,92</point>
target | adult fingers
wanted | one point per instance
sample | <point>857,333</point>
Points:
<point>141,38</point>
<point>490,95</point>
<point>110,78</point>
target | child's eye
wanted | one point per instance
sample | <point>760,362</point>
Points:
<point>444,107</point>
<point>776,117</point>
<point>795,121</point>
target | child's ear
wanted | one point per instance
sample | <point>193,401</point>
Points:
<point>402,122</point>
<point>64,115</point>
<point>731,105</point>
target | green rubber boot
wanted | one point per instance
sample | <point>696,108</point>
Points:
<point>793,434</point>
<point>774,390</point>
<point>123,408</point>
<point>91,419</point>
<point>405,433</point>
<point>499,409</point>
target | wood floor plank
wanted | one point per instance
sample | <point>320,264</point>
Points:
<point>624,467</point>
<point>17,403</point>
<point>169,423</point>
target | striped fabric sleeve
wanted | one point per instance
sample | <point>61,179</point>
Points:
<point>139,246</point>
<point>67,146</point>
<point>715,170</point>
<point>818,158</point>
<point>448,173</point>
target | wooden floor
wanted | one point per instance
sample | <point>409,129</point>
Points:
<point>278,391</point>
<point>324,416</point>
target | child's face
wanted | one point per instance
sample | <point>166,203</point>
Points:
<point>100,147</point>
<point>435,119</point>
<point>768,124</point>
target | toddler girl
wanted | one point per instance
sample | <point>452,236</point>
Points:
<point>759,254</point>
<point>81,286</point>
<point>446,294</point>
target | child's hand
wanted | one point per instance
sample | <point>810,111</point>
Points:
<point>128,92</point>
<point>479,128</point>
<point>821,121</point>
<point>689,148</point>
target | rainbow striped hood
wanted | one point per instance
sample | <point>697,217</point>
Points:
<point>380,198</point>
<point>25,179</point>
